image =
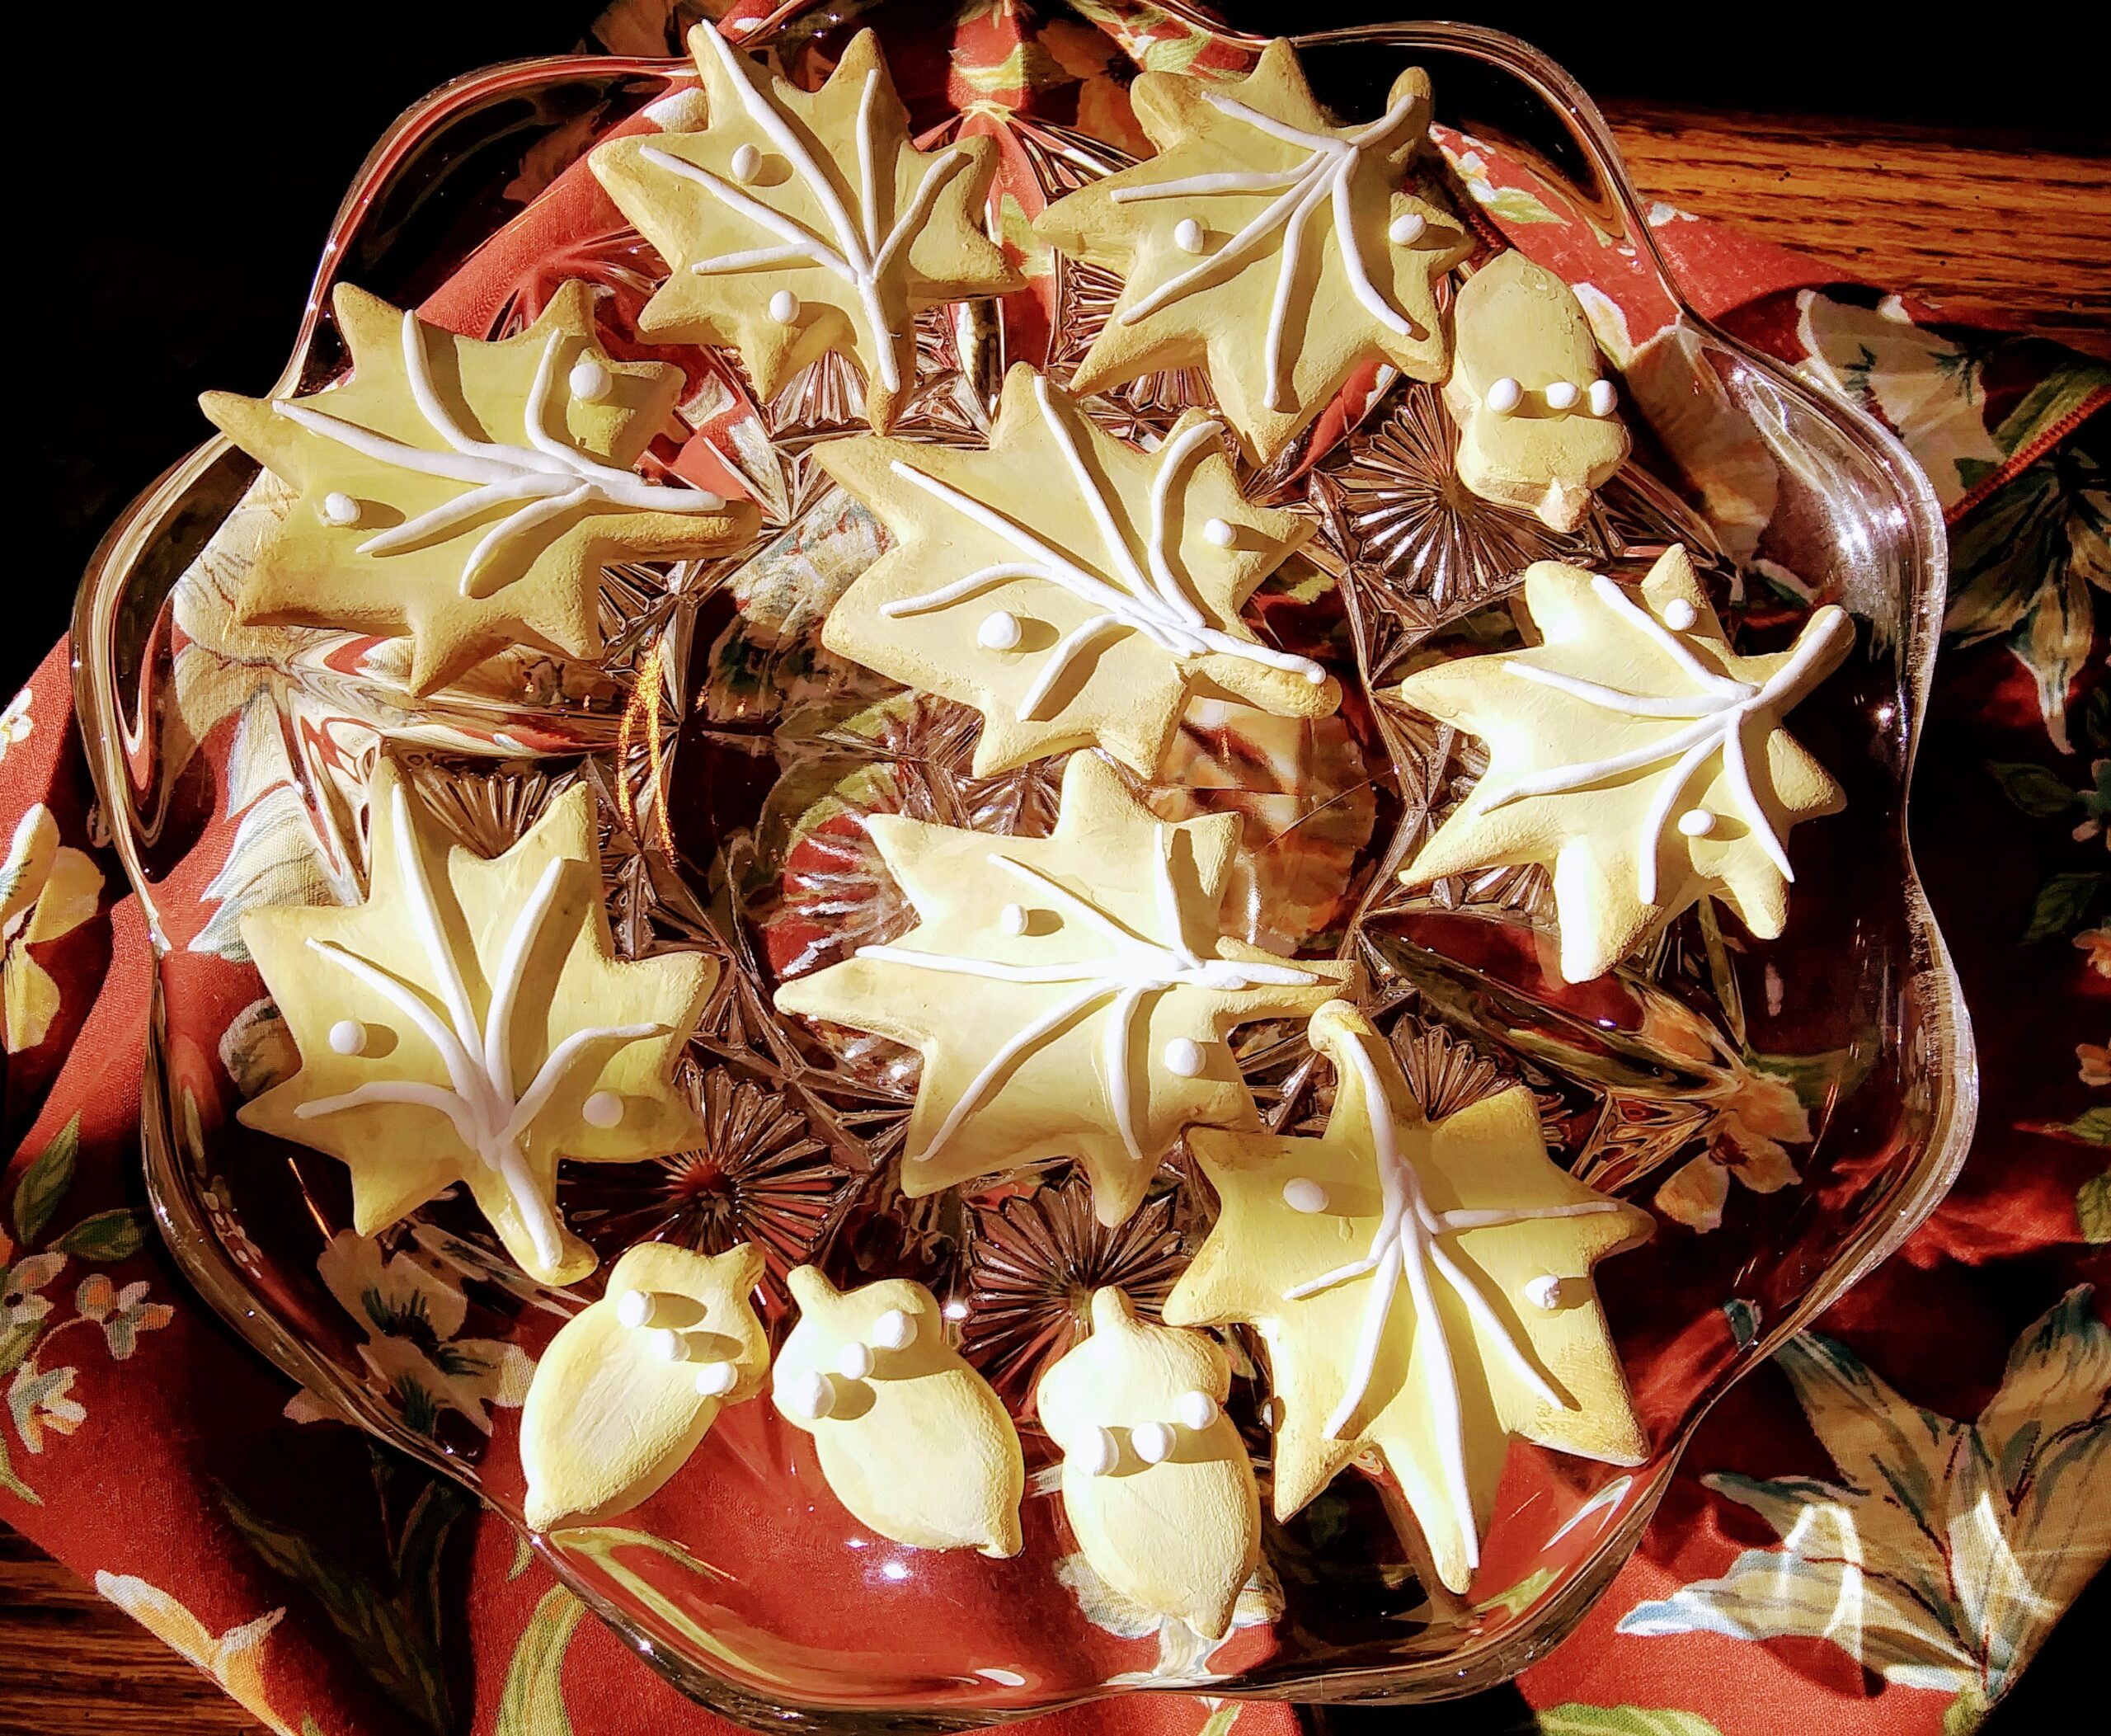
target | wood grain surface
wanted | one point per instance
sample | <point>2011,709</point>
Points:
<point>1996,229</point>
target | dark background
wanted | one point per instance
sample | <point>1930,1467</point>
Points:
<point>215,140</point>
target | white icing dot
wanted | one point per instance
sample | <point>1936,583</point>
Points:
<point>1183,1057</point>
<point>1544,1292</point>
<point>669,1345</point>
<point>1198,1409</point>
<point>1561,395</point>
<point>1407,229</point>
<point>589,381</point>
<point>856,1362</point>
<point>633,1308</point>
<point>1504,396</point>
<point>1603,398</point>
<point>810,1395</point>
<point>1013,919</point>
<point>1301,1193</point>
<point>714,1380</point>
<point>1316,674</point>
<point>1188,236</point>
<point>1153,1442</point>
<point>747,163</point>
<point>999,630</point>
<point>340,508</point>
<point>1678,614</point>
<point>894,1330</point>
<point>1696,822</point>
<point>784,307</point>
<point>1218,532</point>
<point>1096,1453</point>
<point>348,1036</point>
<point>603,1109</point>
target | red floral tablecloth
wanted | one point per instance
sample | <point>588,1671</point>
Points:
<point>1874,1535</point>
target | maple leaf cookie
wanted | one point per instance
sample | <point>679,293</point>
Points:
<point>470,1024</point>
<point>1636,755</point>
<point>1156,1483</point>
<point>912,1440</point>
<point>629,1386</point>
<point>467,493</point>
<point>1539,426</point>
<point>1075,591</point>
<point>1265,242</point>
<point>1070,995</point>
<point>794,225</point>
<point>1423,1290</point>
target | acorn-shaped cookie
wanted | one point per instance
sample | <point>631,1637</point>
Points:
<point>911,1439</point>
<point>1539,426</point>
<point>1156,1482</point>
<point>628,1387</point>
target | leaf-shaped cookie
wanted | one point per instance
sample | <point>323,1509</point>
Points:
<point>628,1387</point>
<point>796,224</point>
<point>468,494</point>
<point>1538,423</point>
<point>912,1440</point>
<point>1156,1482</point>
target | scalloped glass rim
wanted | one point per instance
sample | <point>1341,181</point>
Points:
<point>129,578</point>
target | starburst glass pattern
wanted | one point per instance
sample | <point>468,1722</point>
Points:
<point>1034,1261</point>
<point>757,1174</point>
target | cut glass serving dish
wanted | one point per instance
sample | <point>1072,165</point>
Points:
<point>1789,1110</point>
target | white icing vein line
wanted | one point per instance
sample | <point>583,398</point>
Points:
<point>1134,967</point>
<point>482,1106</point>
<point>1327,174</point>
<point>1408,1243</point>
<point>1719,714</point>
<point>861,257</point>
<point>543,479</point>
<point>1155,602</point>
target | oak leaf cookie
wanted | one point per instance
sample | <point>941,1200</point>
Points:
<point>629,1386</point>
<point>1156,1483</point>
<point>470,1024</point>
<point>912,1441</point>
<point>1634,753</point>
<point>1423,1290</point>
<point>1538,425</point>
<point>1075,591</point>
<point>1071,995</point>
<point>466,493</point>
<point>794,224</point>
<point>1265,242</point>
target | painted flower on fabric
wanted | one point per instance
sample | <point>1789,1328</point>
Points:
<point>1749,1139</point>
<point>47,889</point>
<point>410,1312</point>
<point>1947,1551</point>
<point>123,1314</point>
<point>16,723</point>
<point>2095,945</point>
<point>2093,1061</point>
<point>41,1399</point>
<point>21,1303</point>
<point>234,1659</point>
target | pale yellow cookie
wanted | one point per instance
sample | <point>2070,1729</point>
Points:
<point>1424,1292</point>
<point>794,225</point>
<point>1636,755</point>
<point>913,1441</point>
<point>1156,1483</point>
<point>1071,995</point>
<point>1538,422</point>
<point>629,1386</point>
<point>1266,242</point>
<point>468,494</point>
<point>470,1025</point>
<point>1075,591</point>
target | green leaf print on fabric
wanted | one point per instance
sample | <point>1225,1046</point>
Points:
<point>1948,1549</point>
<point>2092,1208</point>
<point>44,1184</point>
<point>1620,1720</point>
<point>2060,906</point>
<point>532,1703</point>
